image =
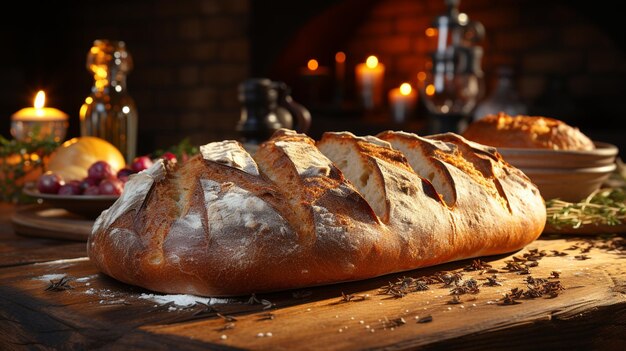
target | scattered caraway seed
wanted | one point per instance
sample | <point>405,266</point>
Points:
<point>557,253</point>
<point>492,281</point>
<point>204,309</point>
<point>352,297</point>
<point>425,319</point>
<point>226,326</point>
<point>455,300</point>
<point>508,300</point>
<point>266,316</point>
<point>59,285</point>
<point>554,275</point>
<point>227,318</point>
<point>573,247</point>
<point>253,300</point>
<point>582,257</point>
<point>396,322</point>
<point>267,304</point>
<point>477,265</point>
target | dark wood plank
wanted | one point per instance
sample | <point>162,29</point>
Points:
<point>45,222</point>
<point>21,250</point>
<point>101,312</point>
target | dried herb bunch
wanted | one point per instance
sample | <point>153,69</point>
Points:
<point>60,285</point>
<point>606,206</point>
<point>17,160</point>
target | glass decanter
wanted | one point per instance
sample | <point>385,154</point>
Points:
<point>109,112</point>
<point>452,83</point>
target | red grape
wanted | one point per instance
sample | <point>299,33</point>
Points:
<point>169,156</point>
<point>92,190</point>
<point>124,173</point>
<point>71,188</point>
<point>49,183</point>
<point>100,170</point>
<point>111,186</point>
<point>87,182</point>
<point>140,163</point>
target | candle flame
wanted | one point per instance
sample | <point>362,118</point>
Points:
<point>340,57</point>
<point>405,89</point>
<point>40,99</point>
<point>312,64</point>
<point>371,62</point>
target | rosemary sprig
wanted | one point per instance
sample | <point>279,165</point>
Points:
<point>606,206</point>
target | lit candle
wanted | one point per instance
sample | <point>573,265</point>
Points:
<point>313,76</point>
<point>369,80</point>
<point>340,76</point>
<point>402,101</point>
<point>39,122</point>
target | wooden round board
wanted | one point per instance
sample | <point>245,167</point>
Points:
<point>590,229</point>
<point>47,222</point>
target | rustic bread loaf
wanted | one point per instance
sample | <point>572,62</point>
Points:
<point>302,214</point>
<point>533,132</point>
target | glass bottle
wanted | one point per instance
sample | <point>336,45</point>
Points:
<point>109,112</point>
<point>452,84</point>
<point>504,98</point>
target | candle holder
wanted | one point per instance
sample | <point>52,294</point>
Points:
<point>39,122</point>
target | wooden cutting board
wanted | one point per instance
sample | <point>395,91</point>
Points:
<point>101,313</point>
<point>48,222</point>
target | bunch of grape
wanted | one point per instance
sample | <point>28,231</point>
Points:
<point>101,179</point>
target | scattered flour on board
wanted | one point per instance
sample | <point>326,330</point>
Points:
<point>49,277</point>
<point>182,300</point>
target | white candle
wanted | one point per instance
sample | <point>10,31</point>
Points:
<point>369,80</point>
<point>402,102</point>
<point>39,122</point>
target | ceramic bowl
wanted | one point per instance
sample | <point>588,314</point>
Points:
<point>565,174</point>
<point>603,155</point>
<point>570,184</point>
<point>88,206</point>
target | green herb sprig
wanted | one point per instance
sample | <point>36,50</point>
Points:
<point>606,206</point>
<point>183,150</point>
<point>17,158</point>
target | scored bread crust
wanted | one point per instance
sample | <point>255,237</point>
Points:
<point>527,132</point>
<point>301,213</point>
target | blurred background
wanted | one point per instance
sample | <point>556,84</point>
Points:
<point>564,59</point>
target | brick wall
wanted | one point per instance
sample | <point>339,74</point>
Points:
<point>189,56</point>
<point>545,41</point>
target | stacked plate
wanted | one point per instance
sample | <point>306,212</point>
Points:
<point>565,174</point>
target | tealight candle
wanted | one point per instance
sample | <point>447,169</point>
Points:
<point>39,122</point>
<point>369,80</point>
<point>402,102</point>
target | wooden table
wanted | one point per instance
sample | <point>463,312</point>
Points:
<point>98,312</point>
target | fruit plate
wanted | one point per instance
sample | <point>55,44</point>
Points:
<point>88,206</point>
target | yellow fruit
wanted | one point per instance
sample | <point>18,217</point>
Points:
<point>73,158</point>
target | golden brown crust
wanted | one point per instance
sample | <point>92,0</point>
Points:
<point>224,224</point>
<point>534,132</point>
